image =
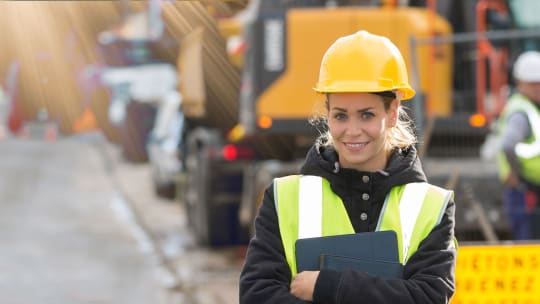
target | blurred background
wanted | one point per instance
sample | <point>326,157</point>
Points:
<point>182,112</point>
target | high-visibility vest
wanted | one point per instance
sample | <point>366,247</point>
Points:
<point>307,207</point>
<point>528,152</point>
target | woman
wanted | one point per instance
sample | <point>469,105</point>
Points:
<point>368,161</point>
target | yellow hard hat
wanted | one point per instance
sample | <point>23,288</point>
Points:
<point>364,62</point>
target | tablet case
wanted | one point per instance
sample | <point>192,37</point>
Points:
<point>384,269</point>
<point>373,252</point>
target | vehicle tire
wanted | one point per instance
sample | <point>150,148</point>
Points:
<point>195,198</point>
<point>210,184</point>
<point>135,130</point>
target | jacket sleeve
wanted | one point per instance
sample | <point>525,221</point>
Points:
<point>428,276</point>
<point>265,276</point>
<point>517,130</point>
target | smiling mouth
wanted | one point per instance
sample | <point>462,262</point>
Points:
<point>355,146</point>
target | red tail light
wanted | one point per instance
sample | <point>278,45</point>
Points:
<point>233,152</point>
<point>230,152</point>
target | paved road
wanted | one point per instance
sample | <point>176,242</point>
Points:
<point>78,225</point>
<point>61,241</point>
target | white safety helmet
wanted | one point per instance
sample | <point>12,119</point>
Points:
<point>527,67</point>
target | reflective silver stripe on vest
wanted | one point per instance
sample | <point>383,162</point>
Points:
<point>310,207</point>
<point>409,208</point>
<point>530,150</point>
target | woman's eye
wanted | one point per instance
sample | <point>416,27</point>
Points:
<point>340,116</point>
<point>367,115</point>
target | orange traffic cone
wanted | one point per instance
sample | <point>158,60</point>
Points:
<point>86,122</point>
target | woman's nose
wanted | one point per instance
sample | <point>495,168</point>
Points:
<point>354,128</point>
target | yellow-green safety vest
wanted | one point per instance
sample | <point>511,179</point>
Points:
<point>528,152</point>
<point>307,207</point>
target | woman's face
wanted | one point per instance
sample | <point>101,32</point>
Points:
<point>358,124</point>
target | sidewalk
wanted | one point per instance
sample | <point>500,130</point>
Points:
<point>192,274</point>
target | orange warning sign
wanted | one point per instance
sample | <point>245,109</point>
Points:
<point>498,274</point>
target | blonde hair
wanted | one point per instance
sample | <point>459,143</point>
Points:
<point>401,136</point>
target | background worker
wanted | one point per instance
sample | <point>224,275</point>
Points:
<point>364,166</point>
<point>519,160</point>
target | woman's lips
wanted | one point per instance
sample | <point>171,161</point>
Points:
<point>355,146</point>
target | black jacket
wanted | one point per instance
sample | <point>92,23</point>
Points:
<point>428,274</point>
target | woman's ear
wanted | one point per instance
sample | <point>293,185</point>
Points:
<point>393,113</point>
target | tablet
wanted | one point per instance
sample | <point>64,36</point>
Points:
<point>374,250</point>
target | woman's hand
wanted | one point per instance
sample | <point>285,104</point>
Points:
<point>303,285</point>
